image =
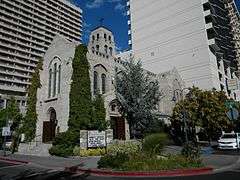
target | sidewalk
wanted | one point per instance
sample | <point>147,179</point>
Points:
<point>54,162</point>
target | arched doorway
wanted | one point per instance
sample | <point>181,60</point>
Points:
<point>49,127</point>
<point>117,121</point>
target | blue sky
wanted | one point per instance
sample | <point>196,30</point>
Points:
<point>115,19</point>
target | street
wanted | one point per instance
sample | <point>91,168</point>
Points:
<point>31,171</point>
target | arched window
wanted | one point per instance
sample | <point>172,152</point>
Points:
<point>54,79</point>
<point>93,38</point>
<point>93,49</point>
<point>97,48</point>
<point>109,38</point>
<point>103,83</point>
<point>111,51</point>
<point>95,82</point>
<point>59,78</point>
<point>105,49</point>
<point>105,37</point>
<point>49,83</point>
<point>97,37</point>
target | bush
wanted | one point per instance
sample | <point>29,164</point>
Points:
<point>154,143</point>
<point>64,143</point>
<point>191,150</point>
<point>127,148</point>
<point>88,152</point>
<point>67,138</point>
<point>141,162</point>
<point>61,150</point>
<point>113,161</point>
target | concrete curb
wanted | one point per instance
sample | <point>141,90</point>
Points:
<point>13,161</point>
<point>167,173</point>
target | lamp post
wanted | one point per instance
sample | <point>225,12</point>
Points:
<point>184,110</point>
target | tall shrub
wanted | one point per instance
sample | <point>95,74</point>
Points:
<point>99,114</point>
<point>80,93</point>
<point>30,120</point>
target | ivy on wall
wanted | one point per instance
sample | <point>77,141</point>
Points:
<point>30,120</point>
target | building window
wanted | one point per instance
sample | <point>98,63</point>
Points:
<point>109,38</point>
<point>93,38</point>
<point>105,49</point>
<point>95,82</point>
<point>103,83</point>
<point>50,83</point>
<point>97,37</point>
<point>1,104</point>
<point>111,51</point>
<point>97,48</point>
<point>59,78</point>
<point>54,79</point>
<point>113,107</point>
<point>105,37</point>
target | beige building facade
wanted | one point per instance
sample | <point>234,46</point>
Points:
<point>27,28</point>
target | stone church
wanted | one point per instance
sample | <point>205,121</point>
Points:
<point>53,96</point>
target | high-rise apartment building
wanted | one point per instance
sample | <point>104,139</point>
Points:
<point>195,36</point>
<point>27,28</point>
<point>235,24</point>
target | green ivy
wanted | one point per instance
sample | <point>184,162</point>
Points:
<point>30,120</point>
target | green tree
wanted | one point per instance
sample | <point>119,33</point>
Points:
<point>11,115</point>
<point>205,109</point>
<point>30,120</point>
<point>80,93</point>
<point>99,114</point>
<point>139,95</point>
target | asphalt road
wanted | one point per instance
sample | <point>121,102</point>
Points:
<point>25,172</point>
<point>220,176</point>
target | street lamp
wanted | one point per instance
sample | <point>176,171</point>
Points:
<point>184,110</point>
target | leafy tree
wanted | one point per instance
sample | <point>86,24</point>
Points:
<point>205,109</point>
<point>11,115</point>
<point>138,94</point>
<point>99,114</point>
<point>80,93</point>
<point>30,120</point>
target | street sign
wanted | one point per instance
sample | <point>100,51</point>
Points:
<point>233,114</point>
<point>6,131</point>
<point>232,84</point>
<point>230,104</point>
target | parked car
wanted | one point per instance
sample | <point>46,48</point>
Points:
<point>229,141</point>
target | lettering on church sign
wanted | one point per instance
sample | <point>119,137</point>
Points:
<point>96,139</point>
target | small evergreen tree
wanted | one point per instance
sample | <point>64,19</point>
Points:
<point>138,94</point>
<point>11,115</point>
<point>30,120</point>
<point>99,114</point>
<point>80,93</point>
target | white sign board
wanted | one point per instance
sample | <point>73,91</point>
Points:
<point>6,131</point>
<point>96,139</point>
<point>232,84</point>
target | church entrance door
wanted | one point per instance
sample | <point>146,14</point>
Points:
<point>49,127</point>
<point>118,126</point>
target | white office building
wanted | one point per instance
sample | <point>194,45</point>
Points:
<point>27,28</point>
<point>195,36</point>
